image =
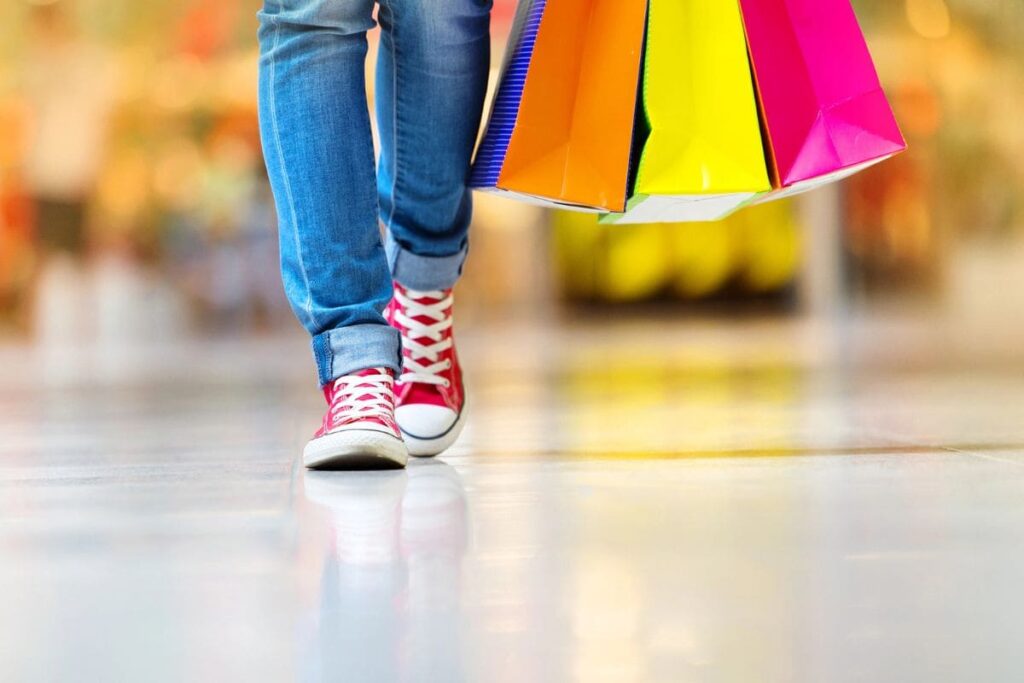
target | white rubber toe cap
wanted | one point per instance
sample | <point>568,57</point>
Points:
<point>355,448</point>
<point>424,420</point>
<point>428,429</point>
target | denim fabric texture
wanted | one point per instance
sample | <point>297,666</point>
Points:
<point>332,196</point>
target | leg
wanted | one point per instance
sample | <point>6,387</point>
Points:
<point>431,80</point>
<point>315,127</point>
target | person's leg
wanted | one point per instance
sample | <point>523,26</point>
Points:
<point>315,128</point>
<point>431,79</point>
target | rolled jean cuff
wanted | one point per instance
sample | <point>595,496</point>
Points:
<point>424,273</point>
<point>345,350</point>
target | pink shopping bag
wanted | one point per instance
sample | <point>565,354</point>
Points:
<point>823,108</point>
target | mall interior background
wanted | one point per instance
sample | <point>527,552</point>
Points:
<point>137,122</point>
<point>785,447</point>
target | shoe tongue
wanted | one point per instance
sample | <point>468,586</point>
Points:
<point>427,301</point>
<point>356,386</point>
<point>420,298</point>
<point>371,371</point>
<point>424,320</point>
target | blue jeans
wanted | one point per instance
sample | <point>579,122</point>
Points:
<point>331,197</point>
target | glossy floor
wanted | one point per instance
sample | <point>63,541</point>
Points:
<point>643,501</point>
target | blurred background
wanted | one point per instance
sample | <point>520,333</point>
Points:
<point>134,206</point>
<point>783,447</point>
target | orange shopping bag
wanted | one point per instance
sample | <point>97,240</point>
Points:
<point>561,130</point>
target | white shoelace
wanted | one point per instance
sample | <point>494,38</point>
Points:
<point>362,397</point>
<point>423,362</point>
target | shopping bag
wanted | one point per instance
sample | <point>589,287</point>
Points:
<point>704,155</point>
<point>824,111</point>
<point>561,128</point>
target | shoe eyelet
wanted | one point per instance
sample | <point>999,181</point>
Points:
<point>447,383</point>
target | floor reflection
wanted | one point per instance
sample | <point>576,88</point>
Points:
<point>389,602</point>
<point>675,509</point>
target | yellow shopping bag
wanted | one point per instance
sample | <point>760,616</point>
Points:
<point>704,156</point>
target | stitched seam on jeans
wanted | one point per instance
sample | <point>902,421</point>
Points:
<point>330,358</point>
<point>324,357</point>
<point>308,306</point>
<point>394,124</point>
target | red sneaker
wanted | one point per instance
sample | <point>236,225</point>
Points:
<point>431,403</point>
<point>359,429</point>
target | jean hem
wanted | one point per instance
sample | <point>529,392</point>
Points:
<point>345,350</point>
<point>424,273</point>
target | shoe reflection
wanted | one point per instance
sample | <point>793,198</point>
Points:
<point>390,590</point>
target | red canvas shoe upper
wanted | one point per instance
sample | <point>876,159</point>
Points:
<point>364,400</point>
<point>430,366</point>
